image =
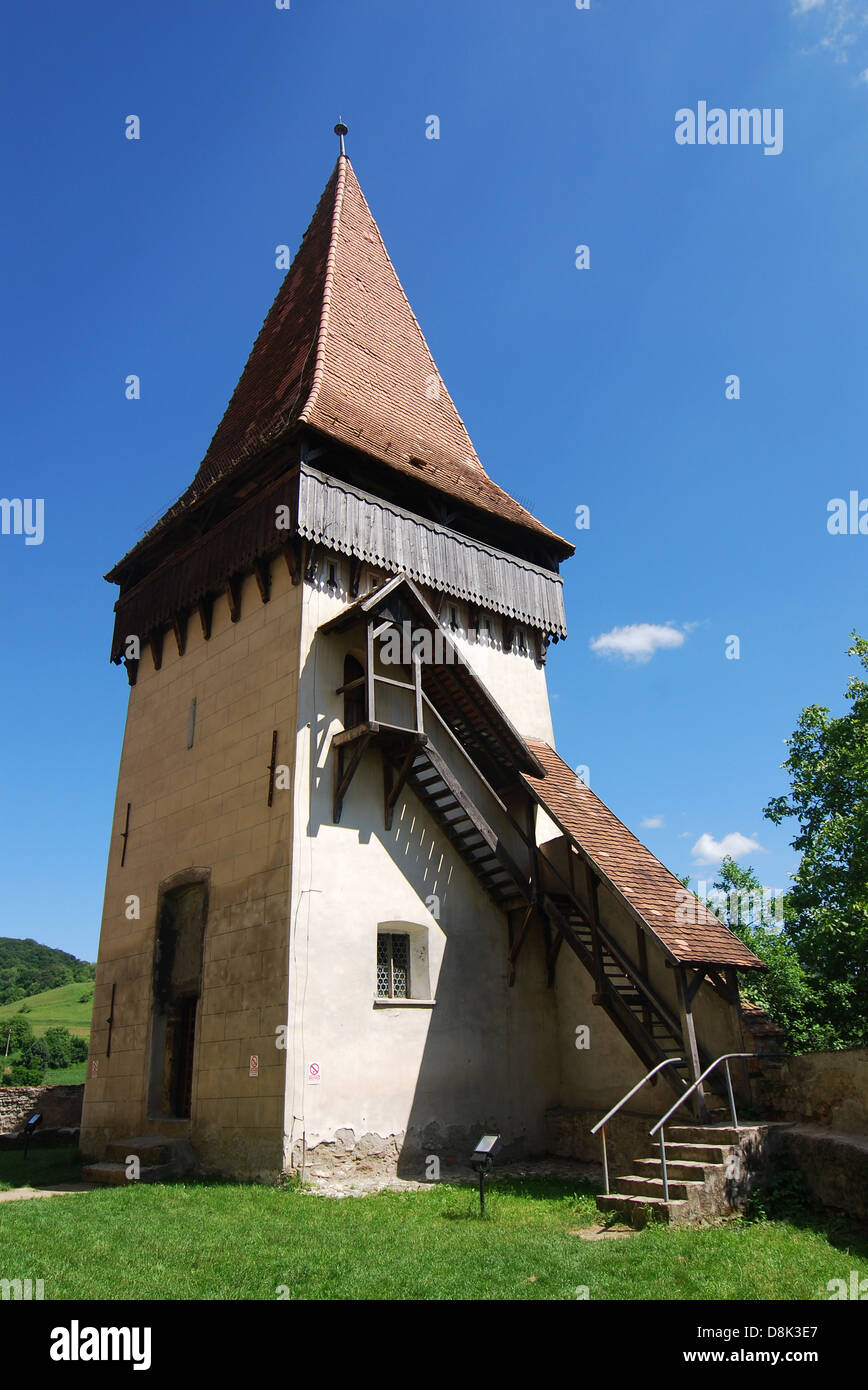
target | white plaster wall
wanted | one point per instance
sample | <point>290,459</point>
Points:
<point>517,683</point>
<point>486,1054</point>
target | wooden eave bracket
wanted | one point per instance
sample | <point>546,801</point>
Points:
<point>392,789</point>
<point>517,940</point>
<point>344,775</point>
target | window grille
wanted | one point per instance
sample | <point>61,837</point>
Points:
<point>393,966</point>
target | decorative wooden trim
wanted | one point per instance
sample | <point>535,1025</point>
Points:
<point>508,634</point>
<point>291,551</point>
<point>310,562</point>
<point>262,573</point>
<point>156,641</point>
<point>179,627</point>
<point>233,594</point>
<point>206,614</point>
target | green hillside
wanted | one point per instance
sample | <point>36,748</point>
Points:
<point>53,1008</point>
<point>27,967</point>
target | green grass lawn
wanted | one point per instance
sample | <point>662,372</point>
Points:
<point>73,1075</point>
<point>225,1240</point>
<point>40,1168</point>
<point>54,1008</point>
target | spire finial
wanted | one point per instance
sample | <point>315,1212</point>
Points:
<point>341,130</point>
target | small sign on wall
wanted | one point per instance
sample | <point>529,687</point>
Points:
<point>94,1066</point>
<point>254,1066</point>
<point>313,1076</point>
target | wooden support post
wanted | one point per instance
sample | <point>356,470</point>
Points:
<point>344,775</point>
<point>688,1030</point>
<point>743,1072</point>
<point>156,641</point>
<point>517,939</point>
<point>370,711</point>
<point>594,916</point>
<point>355,576</point>
<point>132,666</point>
<point>392,788</point>
<point>417,683</point>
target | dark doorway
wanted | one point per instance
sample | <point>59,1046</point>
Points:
<point>177,986</point>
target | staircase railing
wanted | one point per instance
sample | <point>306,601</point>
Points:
<point>725,1057</point>
<point>601,1124</point>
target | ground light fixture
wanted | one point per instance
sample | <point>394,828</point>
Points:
<point>481,1161</point>
<point>30,1129</point>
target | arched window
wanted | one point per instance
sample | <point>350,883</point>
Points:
<point>354,700</point>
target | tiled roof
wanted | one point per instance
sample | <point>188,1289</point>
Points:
<point>636,875</point>
<point>341,351</point>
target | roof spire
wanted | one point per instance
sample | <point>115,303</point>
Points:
<point>341,130</point>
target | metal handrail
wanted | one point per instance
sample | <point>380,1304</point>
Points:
<point>698,1082</point>
<point>601,1124</point>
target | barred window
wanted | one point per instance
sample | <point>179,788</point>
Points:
<point>393,965</point>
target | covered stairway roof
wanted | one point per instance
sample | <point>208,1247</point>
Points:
<point>651,893</point>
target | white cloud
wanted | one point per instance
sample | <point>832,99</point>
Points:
<point>840,23</point>
<point>685,835</point>
<point>637,641</point>
<point>652,823</point>
<point>707,850</point>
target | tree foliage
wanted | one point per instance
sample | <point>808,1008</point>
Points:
<point>828,772</point>
<point>27,967</point>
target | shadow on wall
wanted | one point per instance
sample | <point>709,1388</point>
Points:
<point>489,1060</point>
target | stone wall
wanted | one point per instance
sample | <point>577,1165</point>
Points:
<point>819,1088</point>
<point>59,1106</point>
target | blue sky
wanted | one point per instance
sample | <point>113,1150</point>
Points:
<point>602,387</point>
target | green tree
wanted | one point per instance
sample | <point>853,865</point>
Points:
<point>828,772</point>
<point>58,1041</point>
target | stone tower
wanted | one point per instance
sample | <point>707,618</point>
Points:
<point>345,854</point>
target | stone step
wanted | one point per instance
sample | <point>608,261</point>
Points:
<point>634,1209</point>
<point>693,1172</point>
<point>701,1134</point>
<point>699,1153</point>
<point>635,1186</point>
<point>115,1174</point>
<point>150,1149</point>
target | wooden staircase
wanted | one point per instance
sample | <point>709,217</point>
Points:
<point>643,1018</point>
<point>465,826</point>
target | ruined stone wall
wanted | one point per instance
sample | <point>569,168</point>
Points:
<point>818,1088</point>
<point>59,1106</point>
